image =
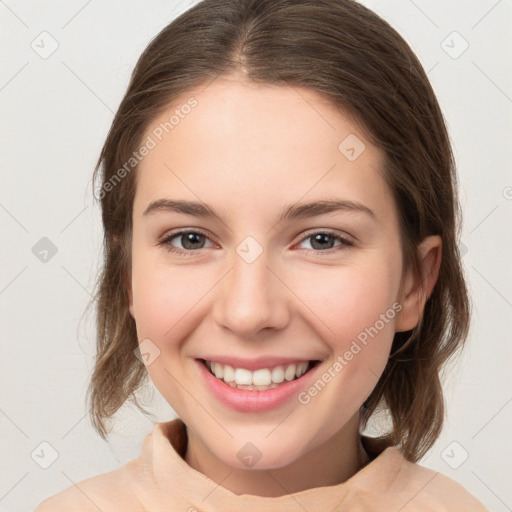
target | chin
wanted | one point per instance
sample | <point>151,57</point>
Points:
<point>258,453</point>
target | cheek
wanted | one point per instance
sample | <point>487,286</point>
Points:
<point>163,296</point>
<point>349,298</point>
<point>359,309</point>
<point>354,309</point>
<point>164,300</point>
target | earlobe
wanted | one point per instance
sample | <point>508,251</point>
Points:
<point>416,291</point>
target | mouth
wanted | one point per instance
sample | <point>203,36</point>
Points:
<point>261,379</point>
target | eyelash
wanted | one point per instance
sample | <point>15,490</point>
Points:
<point>166,242</point>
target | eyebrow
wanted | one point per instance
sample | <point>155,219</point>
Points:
<point>293,211</point>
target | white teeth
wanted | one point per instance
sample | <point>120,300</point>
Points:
<point>301,369</point>
<point>229,373</point>
<point>289,373</point>
<point>243,376</point>
<point>218,370</point>
<point>252,387</point>
<point>278,374</point>
<point>264,378</point>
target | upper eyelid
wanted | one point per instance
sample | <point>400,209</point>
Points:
<point>327,231</point>
<point>305,236</point>
<point>182,231</point>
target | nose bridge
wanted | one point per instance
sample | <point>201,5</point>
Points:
<point>250,299</point>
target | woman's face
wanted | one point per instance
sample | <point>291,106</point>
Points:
<point>252,282</point>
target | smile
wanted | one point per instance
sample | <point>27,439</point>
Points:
<point>260,379</point>
<point>257,398</point>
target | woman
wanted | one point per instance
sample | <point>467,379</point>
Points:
<point>279,203</point>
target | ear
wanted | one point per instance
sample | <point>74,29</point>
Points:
<point>416,291</point>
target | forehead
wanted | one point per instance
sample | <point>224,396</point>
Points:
<point>251,145</point>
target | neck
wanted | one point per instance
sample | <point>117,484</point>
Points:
<point>331,463</point>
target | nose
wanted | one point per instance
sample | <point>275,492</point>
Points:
<point>251,298</point>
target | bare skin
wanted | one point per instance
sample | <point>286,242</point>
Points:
<point>249,151</point>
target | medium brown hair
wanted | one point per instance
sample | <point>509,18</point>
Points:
<point>362,65</point>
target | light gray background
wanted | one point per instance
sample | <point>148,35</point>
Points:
<point>55,113</point>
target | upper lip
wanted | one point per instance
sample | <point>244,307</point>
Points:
<point>256,363</point>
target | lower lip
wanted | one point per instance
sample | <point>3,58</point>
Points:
<point>254,401</point>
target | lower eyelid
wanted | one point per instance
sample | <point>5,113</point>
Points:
<point>344,242</point>
<point>166,242</point>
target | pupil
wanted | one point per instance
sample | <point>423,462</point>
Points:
<point>319,237</point>
<point>190,238</point>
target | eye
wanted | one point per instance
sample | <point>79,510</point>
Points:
<point>190,240</point>
<point>323,241</point>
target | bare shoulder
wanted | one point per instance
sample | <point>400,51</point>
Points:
<point>454,493</point>
<point>108,492</point>
<point>437,491</point>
